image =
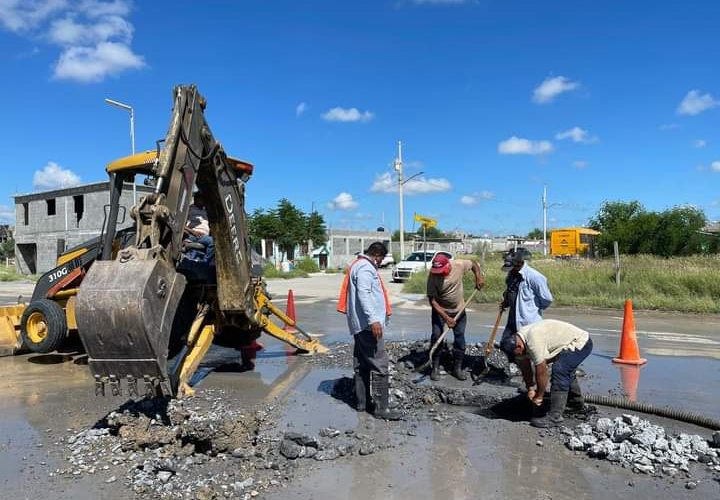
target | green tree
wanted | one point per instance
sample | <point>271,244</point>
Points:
<point>614,221</point>
<point>7,248</point>
<point>535,234</point>
<point>291,222</point>
<point>315,229</point>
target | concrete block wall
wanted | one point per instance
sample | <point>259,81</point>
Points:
<point>45,236</point>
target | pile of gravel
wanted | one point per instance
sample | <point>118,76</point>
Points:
<point>645,447</point>
<point>201,447</point>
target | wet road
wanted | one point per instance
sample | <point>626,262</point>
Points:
<point>44,395</point>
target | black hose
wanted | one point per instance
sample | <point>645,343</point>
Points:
<point>673,413</point>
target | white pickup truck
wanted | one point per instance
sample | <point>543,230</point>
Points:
<point>413,263</point>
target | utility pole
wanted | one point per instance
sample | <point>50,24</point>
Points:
<point>399,170</point>
<point>129,109</point>
<point>544,205</point>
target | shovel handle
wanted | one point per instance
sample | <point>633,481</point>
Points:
<point>491,341</point>
<point>447,328</point>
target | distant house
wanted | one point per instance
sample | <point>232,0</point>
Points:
<point>49,222</point>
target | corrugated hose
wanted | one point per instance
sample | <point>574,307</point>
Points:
<point>661,411</point>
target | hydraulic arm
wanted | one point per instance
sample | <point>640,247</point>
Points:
<point>149,304</point>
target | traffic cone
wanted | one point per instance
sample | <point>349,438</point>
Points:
<point>629,351</point>
<point>290,312</point>
<point>630,379</point>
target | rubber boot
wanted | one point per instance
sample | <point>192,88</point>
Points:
<point>380,387</point>
<point>458,357</point>
<point>435,372</point>
<point>360,392</point>
<point>576,402</point>
<point>558,400</point>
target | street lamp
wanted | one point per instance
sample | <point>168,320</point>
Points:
<point>399,169</point>
<point>128,108</point>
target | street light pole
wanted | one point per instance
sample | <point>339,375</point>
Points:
<point>129,109</point>
<point>399,170</point>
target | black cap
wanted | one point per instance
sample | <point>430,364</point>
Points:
<point>508,345</point>
<point>516,257</point>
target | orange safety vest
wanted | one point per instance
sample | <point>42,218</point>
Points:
<point>342,299</point>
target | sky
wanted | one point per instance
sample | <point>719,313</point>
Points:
<point>493,100</point>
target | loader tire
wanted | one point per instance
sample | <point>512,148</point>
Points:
<point>43,326</point>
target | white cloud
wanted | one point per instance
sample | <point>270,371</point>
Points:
<point>669,126</point>
<point>695,103</point>
<point>24,15</point>
<point>7,215</point>
<point>518,146</point>
<point>715,166</point>
<point>475,198</point>
<point>576,134</point>
<point>53,176</point>
<point>419,185</point>
<point>300,109</point>
<point>550,88</point>
<point>347,115</point>
<point>94,36</point>
<point>699,143</point>
<point>343,201</point>
<point>580,164</point>
<point>93,64</point>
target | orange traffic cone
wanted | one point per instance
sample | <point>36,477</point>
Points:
<point>630,379</point>
<point>629,351</point>
<point>290,312</point>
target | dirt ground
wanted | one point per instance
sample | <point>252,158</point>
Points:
<point>287,429</point>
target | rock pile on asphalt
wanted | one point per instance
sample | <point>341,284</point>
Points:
<point>645,447</point>
<point>201,447</point>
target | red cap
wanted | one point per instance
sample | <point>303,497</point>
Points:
<point>440,264</point>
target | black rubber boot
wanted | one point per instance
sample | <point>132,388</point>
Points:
<point>558,400</point>
<point>435,372</point>
<point>380,387</point>
<point>458,357</point>
<point>360,392</point>
<point>575,402</point>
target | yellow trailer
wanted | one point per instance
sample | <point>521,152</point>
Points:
<point>573,242</point>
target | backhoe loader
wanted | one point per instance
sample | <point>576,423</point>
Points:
<point>149,315</point>
<point>44,324</point>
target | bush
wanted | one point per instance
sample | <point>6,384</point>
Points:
<point>307,264</point>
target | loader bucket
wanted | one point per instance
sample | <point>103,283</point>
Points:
<point>125,313</point>
<point>10,340</point>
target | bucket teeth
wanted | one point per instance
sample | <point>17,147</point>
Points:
<point>132,386</point>
<point>115,386</point>
<point>99,386</point>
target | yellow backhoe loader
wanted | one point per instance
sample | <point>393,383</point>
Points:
<point>148,315</point>
<point>44,324</point>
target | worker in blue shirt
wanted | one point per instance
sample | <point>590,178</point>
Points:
<point>527,294</point>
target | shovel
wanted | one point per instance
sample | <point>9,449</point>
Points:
<point>444,333</point>
<point>490,345</point>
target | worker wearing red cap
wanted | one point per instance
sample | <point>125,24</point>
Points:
<point>447,297</point>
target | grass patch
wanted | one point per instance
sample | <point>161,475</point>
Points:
<point>684,284</point>
<point>8,273</point>
<point>269,271</point>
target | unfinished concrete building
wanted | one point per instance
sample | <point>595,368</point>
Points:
<point>49,222</point>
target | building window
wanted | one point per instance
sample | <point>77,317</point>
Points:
<point>79,202</point>
<point>26,214</point>
<point>51,206</point>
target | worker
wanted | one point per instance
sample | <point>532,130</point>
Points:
<point>197,238</point>
<point>526,295</point>
<point>446,294</point>
<point>536,346</point>
<point>364,300</point>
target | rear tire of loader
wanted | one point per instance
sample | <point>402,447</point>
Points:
<point>43,326</point>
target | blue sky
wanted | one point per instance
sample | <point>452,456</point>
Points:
<point>493,99</point>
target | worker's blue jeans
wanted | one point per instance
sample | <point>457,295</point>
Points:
<point>458,332</point>
<point>564,366</point>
